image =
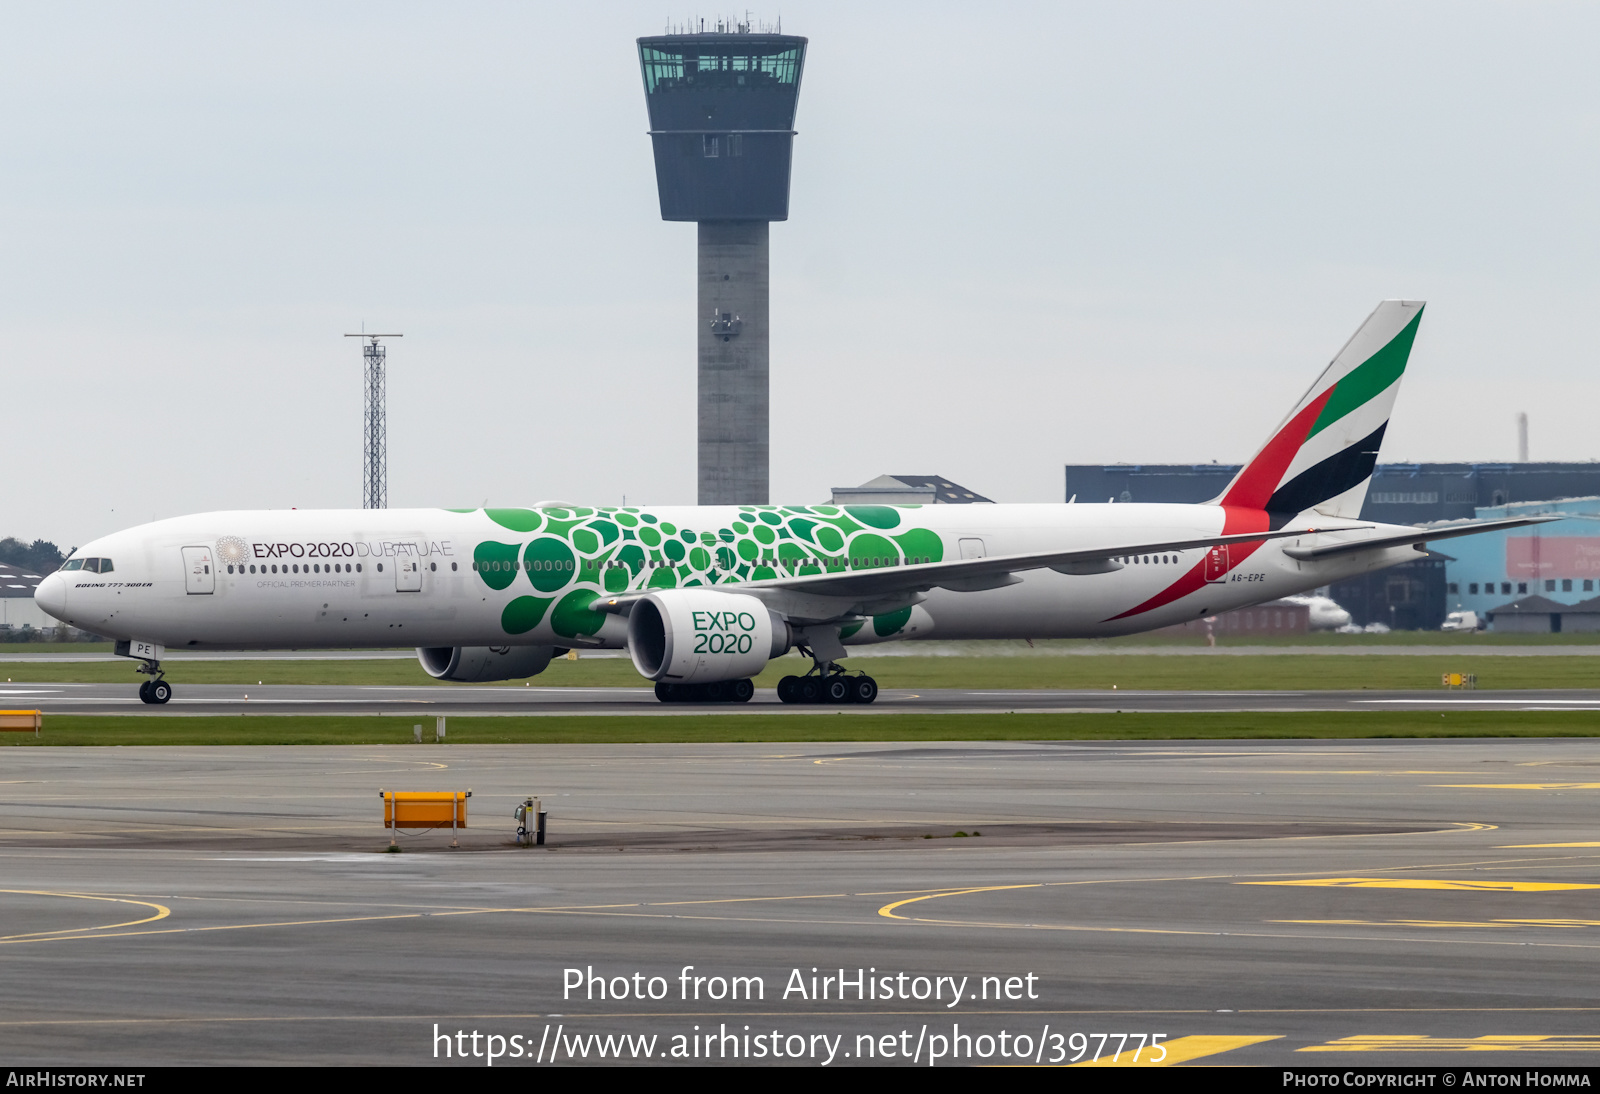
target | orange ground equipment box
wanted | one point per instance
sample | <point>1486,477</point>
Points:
<point>424,809</point>
<point>20,721</point>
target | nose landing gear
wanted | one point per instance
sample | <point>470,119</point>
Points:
<point>154,691</point>
<point>157,691</point>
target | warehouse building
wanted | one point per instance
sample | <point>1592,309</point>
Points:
<point>18,612</point>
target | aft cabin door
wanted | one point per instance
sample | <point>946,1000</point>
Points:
<point>1217,562</point>
<point>407,575</point>
<point>199,573</point>
<point>972,548</point>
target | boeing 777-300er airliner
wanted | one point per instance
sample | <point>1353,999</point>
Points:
<point>702,597</point>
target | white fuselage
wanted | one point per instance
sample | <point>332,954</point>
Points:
<point>411,577</point>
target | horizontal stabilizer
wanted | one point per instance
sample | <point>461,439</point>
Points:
<point>1420,536</point>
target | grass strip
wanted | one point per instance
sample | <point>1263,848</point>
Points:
<point>1291,672</point>
<point>67,729</point>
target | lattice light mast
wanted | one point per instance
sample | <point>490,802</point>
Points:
<point>374,427</point>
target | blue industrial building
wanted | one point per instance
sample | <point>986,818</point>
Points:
<point>1500,573</point>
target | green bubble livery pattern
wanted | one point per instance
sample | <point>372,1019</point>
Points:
<point>574,556</point>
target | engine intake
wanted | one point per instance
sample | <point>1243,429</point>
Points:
<point>689,636</point>
<point>484,664</point>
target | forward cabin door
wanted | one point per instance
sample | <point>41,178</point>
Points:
<point>407,575</point>
<point>199,572</point>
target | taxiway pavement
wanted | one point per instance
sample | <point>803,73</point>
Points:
<point>1335,903</point>
<point>470,700</point>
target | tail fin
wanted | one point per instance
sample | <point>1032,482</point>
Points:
<point>1322,456</point>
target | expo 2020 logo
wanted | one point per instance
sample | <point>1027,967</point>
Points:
<point>232,549</point>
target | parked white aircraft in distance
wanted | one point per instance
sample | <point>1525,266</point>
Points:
<point>703,597</point>
<point>1324,613</point>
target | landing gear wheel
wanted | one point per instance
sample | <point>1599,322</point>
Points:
<point>160,692</point>
<point>144,693</point>
<point>664,692</point>
<point>741,691</point>
<point>863,689</point>
<point>807,689</point>
<point>836,690</point>
<point>786,689</point>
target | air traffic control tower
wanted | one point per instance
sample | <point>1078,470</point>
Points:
<point>722,110</point>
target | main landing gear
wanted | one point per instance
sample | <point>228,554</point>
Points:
<point>827,684</point>
<point>156,691</point>
<point>720,691</point>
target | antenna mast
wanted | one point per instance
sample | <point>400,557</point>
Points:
<point>374,426</point>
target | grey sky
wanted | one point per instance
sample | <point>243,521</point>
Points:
<point>1021,235</point>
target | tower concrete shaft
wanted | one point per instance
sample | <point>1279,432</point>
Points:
<point>733,366</point>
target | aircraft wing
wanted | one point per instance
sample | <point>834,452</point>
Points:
<point>1419,536</point>
<point>857,592</point>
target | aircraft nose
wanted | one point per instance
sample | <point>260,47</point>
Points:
<point>51,595</point>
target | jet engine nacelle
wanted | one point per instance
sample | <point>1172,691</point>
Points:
<point>699,636</point>
<point>483,664</point>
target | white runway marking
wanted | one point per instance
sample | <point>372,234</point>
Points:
<point>1551,703</point>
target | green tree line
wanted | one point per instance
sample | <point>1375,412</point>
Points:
<point>39,557</point>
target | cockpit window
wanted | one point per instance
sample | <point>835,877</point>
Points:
<point>93,565</point>
<point>73,564</point>
<point>105,566</point>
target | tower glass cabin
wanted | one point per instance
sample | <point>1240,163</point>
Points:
<point>722,110</point>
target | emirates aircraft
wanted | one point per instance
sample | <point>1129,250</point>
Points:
<point>703,597</point>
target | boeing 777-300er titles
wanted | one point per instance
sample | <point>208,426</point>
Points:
<point>703,597</point>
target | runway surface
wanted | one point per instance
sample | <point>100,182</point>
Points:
<point>494,700</point>
<point>1324,903</point>
<point>65,654</point>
